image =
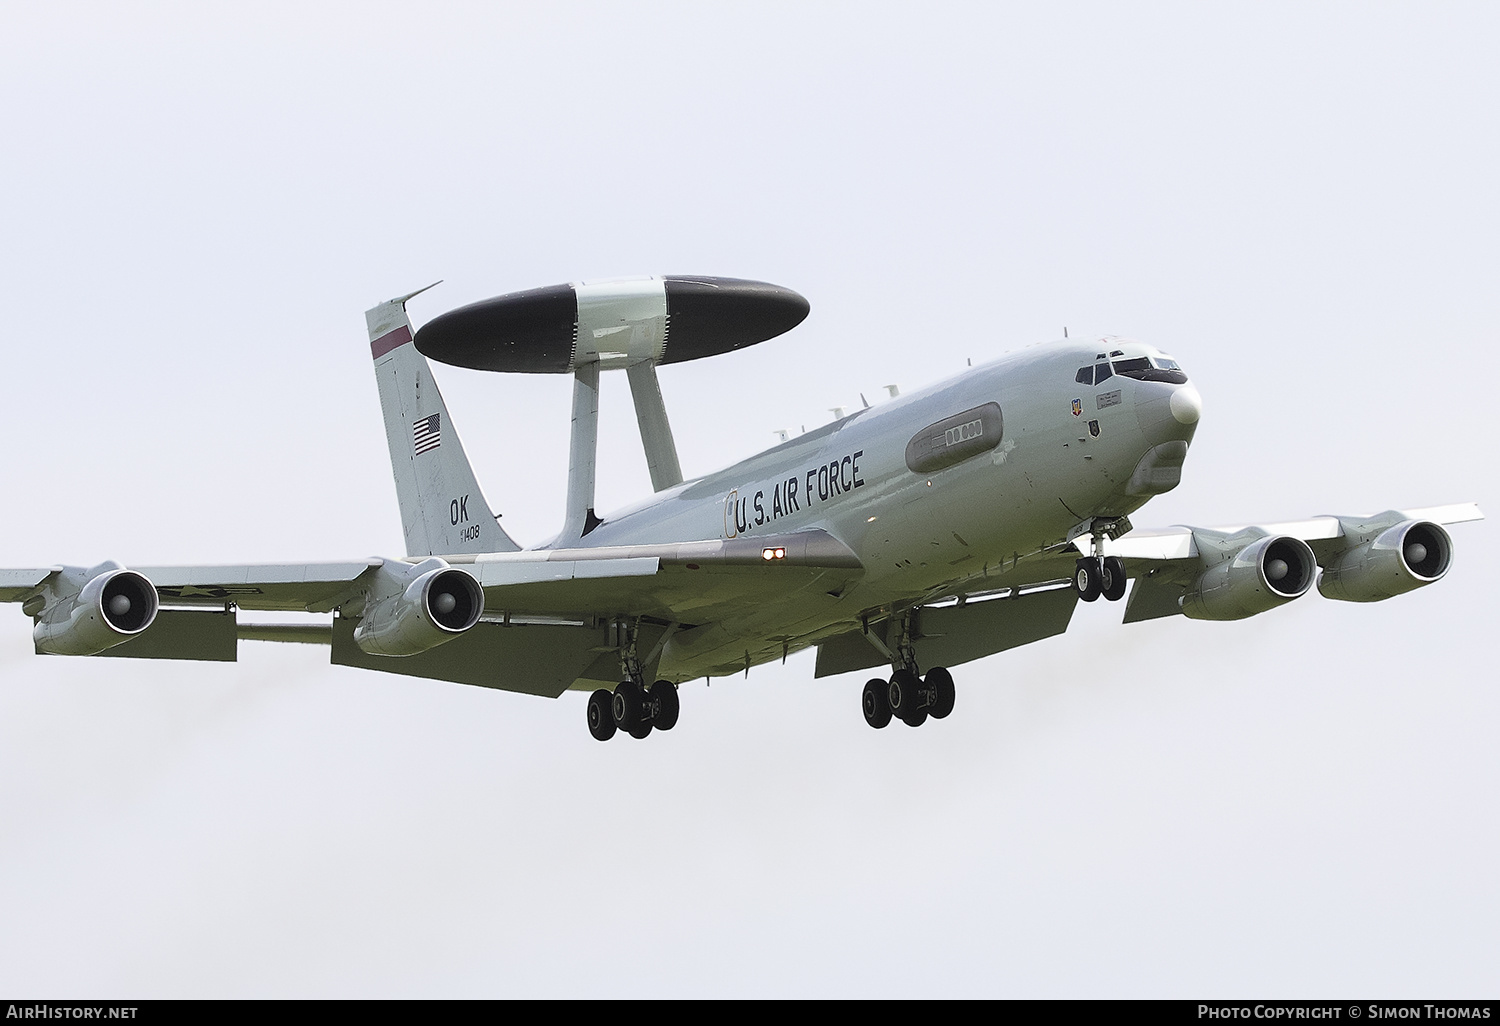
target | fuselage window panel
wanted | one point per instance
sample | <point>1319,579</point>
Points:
<point>1085,376</point>
<point>1101,372</point>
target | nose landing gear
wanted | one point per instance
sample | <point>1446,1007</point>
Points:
<point>1094,576</point>
<point>1097,575</point>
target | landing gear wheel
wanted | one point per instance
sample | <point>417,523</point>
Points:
<point>1086,579</point>
<point>663,696</point>
<point>940,682</point>
<point>628,706</point>
<point>1112,578</point>
<point>877,703</point>
<point>601,715</point>
<point>905,692</point>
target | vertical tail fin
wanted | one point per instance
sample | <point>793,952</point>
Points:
<point>443,512</point>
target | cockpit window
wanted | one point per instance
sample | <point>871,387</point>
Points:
<point>1141,369</point>
<point>1156,368</point>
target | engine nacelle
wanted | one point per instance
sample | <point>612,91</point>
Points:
<point>1262,575</point>
<point>112,606</point>
<point>431,603</point>
<point>1407,556</point>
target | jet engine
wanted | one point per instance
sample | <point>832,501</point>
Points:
<point>1260,576</point>
<point>1400,558</point>
<point>112,606</point>
<point>413,609</point>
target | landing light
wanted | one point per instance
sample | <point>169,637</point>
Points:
<point>770,554</point>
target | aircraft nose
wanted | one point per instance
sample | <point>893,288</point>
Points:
<point>1186,405</point>
<point>1169,414</point>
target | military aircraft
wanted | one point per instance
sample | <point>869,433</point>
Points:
<point>920,533</point>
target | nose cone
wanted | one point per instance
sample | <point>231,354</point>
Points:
<point>1186,405</point>
<point>1168,413</point>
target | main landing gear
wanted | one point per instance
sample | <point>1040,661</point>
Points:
<point>633,709</point>
<point>906,696</point>
<point>631,706</point>
<point>909,698</point>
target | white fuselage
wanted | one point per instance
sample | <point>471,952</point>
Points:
<point>920,534</point>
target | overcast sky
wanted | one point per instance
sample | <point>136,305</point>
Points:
<point>1298,201</point>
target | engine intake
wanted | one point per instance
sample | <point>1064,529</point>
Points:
<point>112,606</point>
<point>1261,576</point>
<point>1409,555</point>
<point>421,608</point>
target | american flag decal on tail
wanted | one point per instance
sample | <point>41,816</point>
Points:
<point>426,434</point>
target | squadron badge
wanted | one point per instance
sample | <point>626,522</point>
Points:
<point>1077,407</point>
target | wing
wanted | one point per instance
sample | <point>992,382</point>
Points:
<point>1226,573</point>
<point>1222,573</point>
<point>533,621</point>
